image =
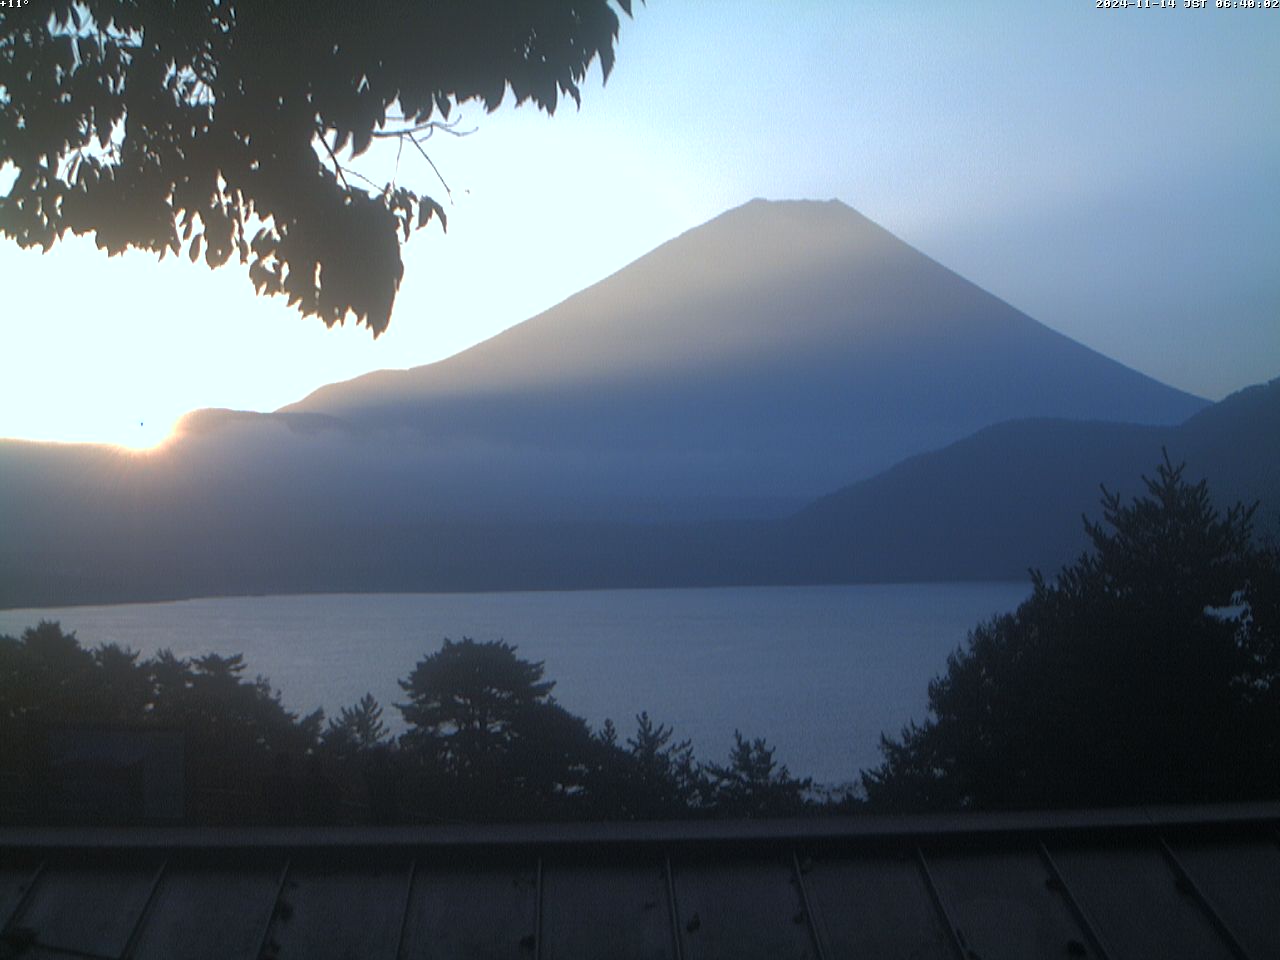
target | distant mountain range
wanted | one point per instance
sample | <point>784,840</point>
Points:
<point>1012,495</point>
<point>662,427</point>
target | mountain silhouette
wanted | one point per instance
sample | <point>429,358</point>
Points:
<point>1011,496</point>
<point>771,355</point>
<point>661,427</point>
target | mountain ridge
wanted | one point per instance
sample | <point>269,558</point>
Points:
<point>1018,489</point>
<point>792,226</point>
<point>749,341</point>
<point>658,428</point>
<point>923,519</point>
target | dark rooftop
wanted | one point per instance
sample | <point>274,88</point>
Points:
<point>1193,882</point>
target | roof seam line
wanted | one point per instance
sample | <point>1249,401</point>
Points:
<point>408,905</point>
<point>1077,908</point>
<point>24,900</point>
<point>136,933</point>
<point>810,917</point>
<point>275,907</point>
<point>953,932</point>
<point>673,909</point>
<point>1215,919</point>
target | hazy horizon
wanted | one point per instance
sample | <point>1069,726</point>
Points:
<point>1006,142</point>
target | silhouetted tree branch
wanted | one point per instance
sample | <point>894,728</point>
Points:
<point>208,125</point>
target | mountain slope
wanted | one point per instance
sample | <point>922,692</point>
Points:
<point>92,525</point>
<point>1011,496</point>
<point>777,352</point>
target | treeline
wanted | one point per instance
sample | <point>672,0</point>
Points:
<point>1146,672</point>
<point>484,740</point>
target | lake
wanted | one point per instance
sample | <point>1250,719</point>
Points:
<point>818,671</point>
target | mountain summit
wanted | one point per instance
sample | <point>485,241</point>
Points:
<point>774,353</point>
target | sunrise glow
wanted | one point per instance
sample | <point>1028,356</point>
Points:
<point>973,133</point>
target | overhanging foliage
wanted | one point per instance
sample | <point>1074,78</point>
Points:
<point>218,126</point>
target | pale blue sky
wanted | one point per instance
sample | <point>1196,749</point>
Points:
<point>1114,173</point>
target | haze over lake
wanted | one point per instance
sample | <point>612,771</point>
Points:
<point>819,671</point>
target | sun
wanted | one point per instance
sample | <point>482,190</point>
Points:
<point>145,437</point>
<point>99,428</point>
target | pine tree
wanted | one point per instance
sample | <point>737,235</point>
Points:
<point>358,728</point>
<point>1140,674</point>
<point>753,785</point>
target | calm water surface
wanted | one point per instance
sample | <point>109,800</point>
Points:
<point>818,671</point>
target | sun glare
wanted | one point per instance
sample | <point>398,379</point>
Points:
<point>140,436</point>
<point>145,438</point>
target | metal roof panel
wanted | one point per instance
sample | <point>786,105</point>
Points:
<point>88,905</point>
<point>472,909</point>
<point>1240,877</point>
<point>16,877</point>
<point>738,907</point>
<point>340,911</point>
<point>876,906</point>
<point>1135,897</point>
<point>211,912</point>
<point>1004,904</point>
<point>601,909</point>
<point>1195,882</point>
